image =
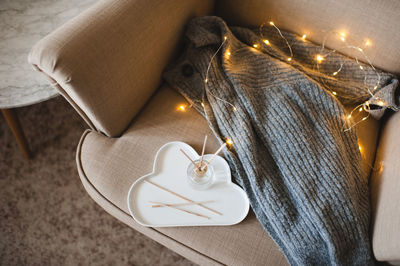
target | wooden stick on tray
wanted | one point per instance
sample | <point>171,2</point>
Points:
<point>176,208</point>
<point>202,151</point>
<point>213,156</point>
<point>190,159</point>
<point>182,197</point>
<point>178,204</point>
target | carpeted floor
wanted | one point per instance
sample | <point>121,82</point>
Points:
<point>46,217</point>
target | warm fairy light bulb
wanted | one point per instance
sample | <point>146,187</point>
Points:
<point>271,23</point>
<point>202,104</point>
<point>360,49</point>
<point>367,43</point>
<point>360,148</point>
<point>334,93</point>
<point>361,67</point>
<point>229,142</point>
<point>267,42</point>
<point>255,45</point>
<point>225,38</point>
<point>334,73</point>
<point>289,59</point>
<point>319,58</point>
<point>304,37</point>
<point>375,87</point>
<point>181,108</point>
<point>206,80</point>
<point>380,169</point>
<point>360,109</point>
<point>342,36</point>
<point>380,103</point>
<point>364,118</point>
<point>234,108</point>
<point>349,116</point>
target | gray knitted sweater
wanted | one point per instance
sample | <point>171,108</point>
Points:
<point>300,170</point>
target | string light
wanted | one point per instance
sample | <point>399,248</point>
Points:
<point>208,70</point>
<point>181,108</point>
<point>381,167</point>
<point>342,36</point>
<point>365,105</point>
<point>319,58</point>
<point>229,142</point>
<point>380,103</point>
<point>280,34</point>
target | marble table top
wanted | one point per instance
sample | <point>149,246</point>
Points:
<point>22,24</point>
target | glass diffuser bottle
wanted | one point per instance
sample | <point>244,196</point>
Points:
<point>200,177</point>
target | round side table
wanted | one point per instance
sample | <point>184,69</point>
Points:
<point>22,24</point>
<point>12,97</point>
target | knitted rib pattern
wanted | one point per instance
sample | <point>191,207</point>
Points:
<point>300,170</point>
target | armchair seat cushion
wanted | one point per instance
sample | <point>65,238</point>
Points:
<point>109,166</point>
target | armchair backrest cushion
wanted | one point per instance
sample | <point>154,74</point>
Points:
<point>108,60</point>
<point>375,20</point>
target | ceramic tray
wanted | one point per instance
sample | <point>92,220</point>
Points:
<point>169,171</point>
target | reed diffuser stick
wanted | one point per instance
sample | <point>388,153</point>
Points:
<point>182,197</point>
<point>214,155</point>
<point>187,156</point>
<point>202,151</point>
<point>161,204</point>
<point>190,212</point>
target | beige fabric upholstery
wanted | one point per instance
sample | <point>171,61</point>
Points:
<point>107,62</point>
<point>109,59</point>
<point>110,166</point>
<point>377,20</point>
<point>123,216</point>
<point>386,193</point>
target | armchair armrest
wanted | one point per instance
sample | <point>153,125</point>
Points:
<point>385,193</point>
<point>108,61</point>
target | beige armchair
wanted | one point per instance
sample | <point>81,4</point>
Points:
<point>107,63</point>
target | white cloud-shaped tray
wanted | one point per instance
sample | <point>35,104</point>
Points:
<point>169,171</point>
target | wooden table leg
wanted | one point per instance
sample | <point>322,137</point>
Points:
<point>13,122</point>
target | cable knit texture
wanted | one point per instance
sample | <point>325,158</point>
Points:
<point>300,170</point>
